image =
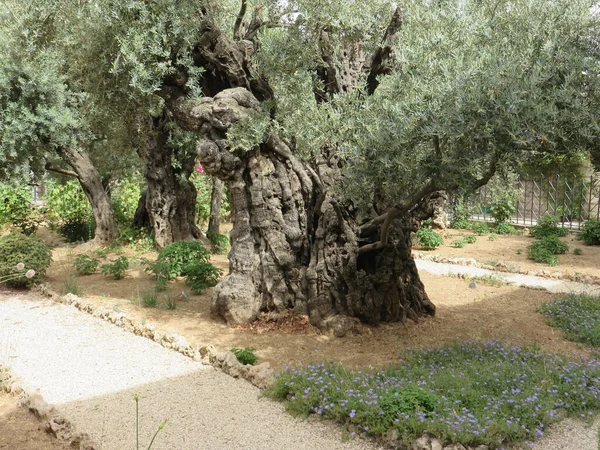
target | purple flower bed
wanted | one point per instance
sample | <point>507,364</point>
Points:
<point>474,393</point>
<point>577,315</point>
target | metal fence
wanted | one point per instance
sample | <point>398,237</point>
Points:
<point>573,201</point>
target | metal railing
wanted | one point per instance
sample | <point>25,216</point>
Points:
<point>573,201</point>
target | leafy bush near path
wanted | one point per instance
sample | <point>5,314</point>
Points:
<point>429,239</point>
<point>17,248</point>
<point>591,232</point>
<point>544,250</point>
<point>474,393</point>
<point>547,225</point>
<point>577,315</point>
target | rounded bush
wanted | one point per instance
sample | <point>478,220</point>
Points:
<point>429,239</point>
<point>28,251</point>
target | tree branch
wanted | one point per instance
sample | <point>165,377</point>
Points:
<point>382,59</point>
<point>396,211</point>
<point>68,173</point>
<point>489,174</point>
<point>238,21</point>
<point>256,23</point>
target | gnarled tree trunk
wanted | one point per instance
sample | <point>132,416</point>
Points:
<point>170,195</point>
<point>294,244</point>
<point>216,198</point>
<point>91,182</point>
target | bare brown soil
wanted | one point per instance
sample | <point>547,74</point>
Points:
<point>507,313</point>
<point>21,430</point>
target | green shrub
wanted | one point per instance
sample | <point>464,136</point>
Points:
<point>458,244</point>
<point>577,251</point>
<point>480,228</point>
<point>69,211</point>
<point>429,239</point>
<point>547,225</point>
<point>245,355</point>
<point>74,230</point>
<point>17,248</point>
<point>137,238</point>
<point>116,269</point>
<point>220,242</point>
<point>492,237</point>
<point>125,195</point>
<point>504,205</point>
<point>178,255</point>
<point>470,239</point>
<point>201,275</point>
<point>460,224</point>
<point>16,209</point>
<point>591,232</point>
<point>544,250</point>
<point>170,303</point>
<point>85,265</point>
<point>504,228</point>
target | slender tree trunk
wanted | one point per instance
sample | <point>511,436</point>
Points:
<point>295,244</point>
<point>216,198</point>
<point>170,196</point>
<point>91,182</point>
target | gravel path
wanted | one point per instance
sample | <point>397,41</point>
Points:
<point>553,286</point>
<point>90,370</point>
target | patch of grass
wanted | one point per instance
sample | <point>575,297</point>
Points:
<point>492,237</point>
<point>577,315</point>
<point>577,251</point>
<point>70,286</point>
<point>491,280</point>
<point>170,303</point>
<point>245,355</point>
<point>472,393</point>
<point>504,228</point>
<point>149,299</point>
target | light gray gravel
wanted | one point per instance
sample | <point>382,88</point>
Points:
<point>90,371</point>
<point>553,286</point>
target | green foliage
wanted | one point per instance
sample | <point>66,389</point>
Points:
<point>479,228</point>
<point>138,238</point>
<point>16,248</point>
<point>245,355</point>
<point>460,214</point>
<point>544,250</point>
<point>577,251</point>
<point>470,239</point>
<point>116,269</point>
<point>504,228</point>
<point>220,242</point>
<point>504,205</point>
<point>591,232</point>
<point>460,224</point>
<point>69,210</point>
<point>178,255</point>
<point>428,239</point>
<point>577,315</point>
<point>459,243</point>
<point>15,207</point>
<point>473,393</point>
<point>201,275</point>
<point>137,426</point>
<point>85,265</point>
<point>492,237</point>
<point>547,225</point>
<point>125,195</point>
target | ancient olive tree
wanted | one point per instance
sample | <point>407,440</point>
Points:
<point>334,124</point>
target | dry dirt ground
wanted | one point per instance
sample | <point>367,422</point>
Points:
<point>504,312</point>
<point>20,430</point>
